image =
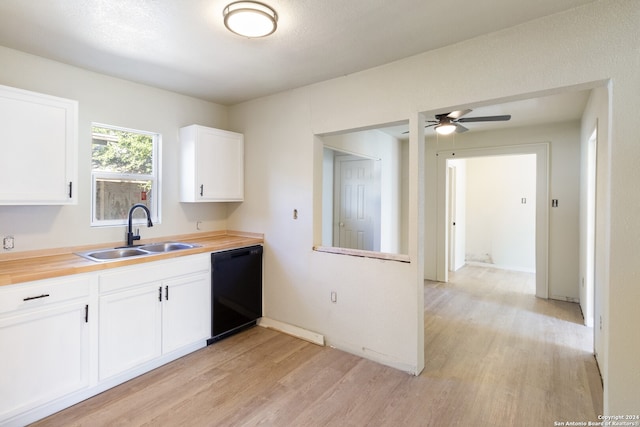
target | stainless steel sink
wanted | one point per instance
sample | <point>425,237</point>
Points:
<point>167,246</point>
<point>114,254</point>
<point>111,254</point>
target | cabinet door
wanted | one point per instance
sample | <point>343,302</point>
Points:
<point>186,316</point>
<point>38,142</point>
<point>211,165</point>
<point>220,165</point>
<point>46,356</point>
<point>130,329</point>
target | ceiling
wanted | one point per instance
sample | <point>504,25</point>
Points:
<point>557,108</point>
<point>182,45</point>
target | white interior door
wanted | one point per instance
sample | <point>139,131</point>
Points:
<point>355,204</point>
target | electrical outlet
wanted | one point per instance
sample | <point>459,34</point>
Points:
<point>8,242</point>
<point>334,297</point>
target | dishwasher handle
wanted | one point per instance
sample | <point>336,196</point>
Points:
<point>240,254</point>
<point>237,253</point>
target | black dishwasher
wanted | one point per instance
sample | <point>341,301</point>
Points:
<point>236,291</point>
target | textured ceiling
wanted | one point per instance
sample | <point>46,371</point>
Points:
<point>562,107</point>
<point>182,45</point>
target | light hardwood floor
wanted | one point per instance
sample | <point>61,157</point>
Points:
<point>495,355</point>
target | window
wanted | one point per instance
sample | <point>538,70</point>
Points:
<point>124,172</point>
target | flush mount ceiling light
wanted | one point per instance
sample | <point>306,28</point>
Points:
<point>250,19</point>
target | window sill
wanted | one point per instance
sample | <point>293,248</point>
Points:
<point>363,254</point>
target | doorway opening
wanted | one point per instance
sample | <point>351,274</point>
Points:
<point>492,212</point>
<point>527,217</point>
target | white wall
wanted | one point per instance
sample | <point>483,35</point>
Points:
<point>117,102</point>
<point>327,197</point>
<point>597,113</point>
<point>376,314</point>
<point>501,230</point>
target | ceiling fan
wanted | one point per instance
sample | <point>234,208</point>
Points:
<point>447,123</point>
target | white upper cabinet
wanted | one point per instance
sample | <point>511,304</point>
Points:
<point>38,148</point>
<point>211,165</point>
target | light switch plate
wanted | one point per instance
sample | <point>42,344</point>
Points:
<point>8,242</point>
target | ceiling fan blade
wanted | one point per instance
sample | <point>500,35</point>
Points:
<point>426,126</point>
<point>460,128</point>
<point>485,119</point>
<point>458,114</point>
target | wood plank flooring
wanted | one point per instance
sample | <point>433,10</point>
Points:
<point>495,355</point>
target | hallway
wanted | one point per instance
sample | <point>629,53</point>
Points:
<point>506,354</point>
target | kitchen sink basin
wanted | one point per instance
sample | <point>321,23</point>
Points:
<point>108,254</point>
<point>102,255</point>
<point>167,247</point>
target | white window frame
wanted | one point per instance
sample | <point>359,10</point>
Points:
<point>154,177</point>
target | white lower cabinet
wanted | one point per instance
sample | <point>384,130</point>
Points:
<point>44,333</point>
<point>186,312</point>
<point>64,340</point>
<point>147,312</point>
<point>130,329</point>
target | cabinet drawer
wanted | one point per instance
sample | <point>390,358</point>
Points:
<point>158,271</point>
<point>43,292</point>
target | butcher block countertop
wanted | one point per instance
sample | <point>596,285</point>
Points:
<point>23,267</point>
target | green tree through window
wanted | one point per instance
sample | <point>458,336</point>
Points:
<point>122,151</point>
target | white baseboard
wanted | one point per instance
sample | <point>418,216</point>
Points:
<point>295,331</point>
<point>499,266</point>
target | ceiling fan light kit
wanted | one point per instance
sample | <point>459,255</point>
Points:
<point>447,123</point>
<point>250,19</point>
<point>445,129</point>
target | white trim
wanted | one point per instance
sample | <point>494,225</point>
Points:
<point>362,253</point>
<point>344,152</point>
<point>295,331</point>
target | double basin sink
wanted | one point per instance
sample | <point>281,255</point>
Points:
<point>114,254</point>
